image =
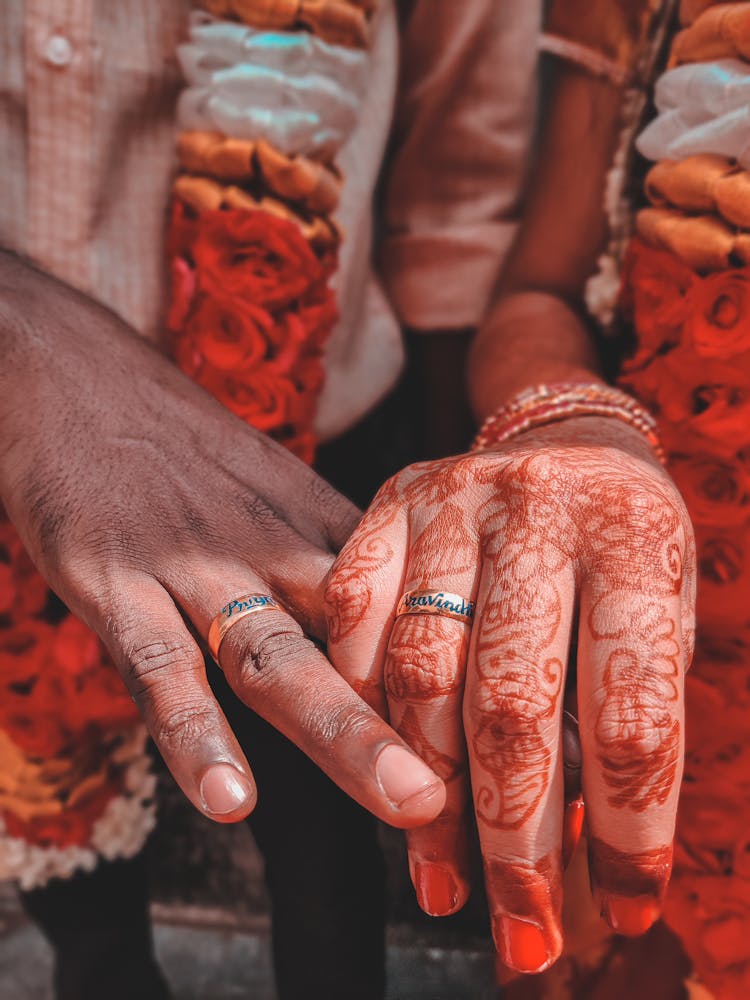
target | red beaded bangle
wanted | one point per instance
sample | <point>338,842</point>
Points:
<point>546,404</point>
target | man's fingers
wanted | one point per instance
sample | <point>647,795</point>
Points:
<point>284,677</point>
<point>632,730</point>
<point>164,671</point>
<point>512,712</point>
<point>361,597</point>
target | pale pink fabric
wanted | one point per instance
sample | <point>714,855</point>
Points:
<point>87,95</point>
<point>464,120</point>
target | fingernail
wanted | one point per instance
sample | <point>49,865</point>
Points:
<point>630,915</point>
<point>404,778</point>
<point>224,790</point>
<point>437,892</point>
<point>520,943</point>
<point>572,828</point>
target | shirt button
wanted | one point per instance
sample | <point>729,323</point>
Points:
<point>58,51</point>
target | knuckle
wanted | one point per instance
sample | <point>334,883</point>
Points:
<point>343,721</point>
<point>182,728</point>
<point>152,663</point>
<point>259,514</point>
<point>264,655</point>
<point>423,661</point>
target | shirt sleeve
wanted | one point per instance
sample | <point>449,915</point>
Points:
<point>464,119</point>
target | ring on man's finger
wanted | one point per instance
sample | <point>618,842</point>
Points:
<point>436,602</point>
<point>233,612</point>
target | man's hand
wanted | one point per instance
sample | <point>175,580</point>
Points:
<point>568,530</point>
<point>147,507</point>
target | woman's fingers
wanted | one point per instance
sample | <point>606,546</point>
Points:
<point>425,674</point>
<point>633,639</point>
<point>513,714</point>
<point>362,593</point>
<point>632,726</point>
<point>164,672</point>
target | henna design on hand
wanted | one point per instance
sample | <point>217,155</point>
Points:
<point>637,731</point>
<point>349,589</point>
<point>424,661</point>
<point>444,765</point>
<point>444,549</point>
<point>637,874</point>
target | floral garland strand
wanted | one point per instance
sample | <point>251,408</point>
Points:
<point>252,243</point>
<point>686,294</point>
<point>75,779</point>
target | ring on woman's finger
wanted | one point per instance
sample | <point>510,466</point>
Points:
<point>235,611</point>
<point>436,602</point>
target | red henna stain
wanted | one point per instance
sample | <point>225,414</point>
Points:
<point>638,732</point>
<point>444,549</point>
<point>619,873</point>
<point>512,744</point>
<point>426,658</point>
<point>531,892</point>
<point>437,482</point>
<point>349,590</point>
<point>410,729</point>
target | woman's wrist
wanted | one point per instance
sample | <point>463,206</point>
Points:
<point>541,405</point>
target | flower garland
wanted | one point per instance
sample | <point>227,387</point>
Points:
<point>72,748</point>
<point>252,244</point>
<point>686,295</point>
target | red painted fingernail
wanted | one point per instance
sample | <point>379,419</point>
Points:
<point>630,915</point>
<point>521,945</point>
<point>572,828</point>
<point>437,891</point>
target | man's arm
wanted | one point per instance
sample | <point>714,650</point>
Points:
<point>147,506</point>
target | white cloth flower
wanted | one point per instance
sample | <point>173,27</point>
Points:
<point>298,92</point>
<point>703,108</point>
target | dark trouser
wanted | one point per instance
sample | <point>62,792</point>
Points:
<point>325,877</point>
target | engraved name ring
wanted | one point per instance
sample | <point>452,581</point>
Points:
<point>436,602</point>
<point>233,612</point>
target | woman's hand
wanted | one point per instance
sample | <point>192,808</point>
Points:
<point>571,533</point>
<point>147,507</point>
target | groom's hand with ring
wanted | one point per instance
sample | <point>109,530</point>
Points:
<point>568,525</point>
<point>148,507</point>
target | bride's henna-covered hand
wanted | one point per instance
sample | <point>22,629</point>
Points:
<point>573,523</point>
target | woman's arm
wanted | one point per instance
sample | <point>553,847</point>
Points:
<point>534,331</point>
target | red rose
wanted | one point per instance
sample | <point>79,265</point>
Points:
<point>718,324</point>
<point>655,285</point>
<point>715,492</point>
<point>254,257</point>
<point>182,292</point>
<point>75,648</point>
<point>303,446</point>
<point>231,335</point>
<point>182,229</point>
<point>268,401</point>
